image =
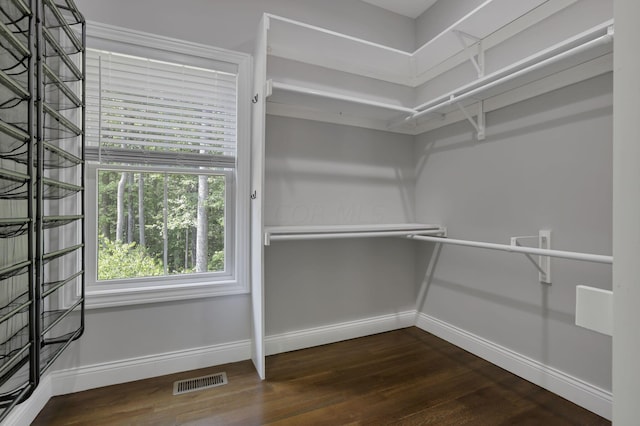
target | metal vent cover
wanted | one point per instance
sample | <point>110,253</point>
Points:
<point>199,383</point>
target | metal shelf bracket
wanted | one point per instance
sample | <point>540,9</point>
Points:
<point>479,122</point>
<point>476,57</point>
<point>543,265</point>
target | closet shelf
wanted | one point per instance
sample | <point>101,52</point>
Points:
<point>55,190</point>
<point>18,46</point>
<point>13,350</point>
<point>57,158</point>
<point>53,156</point>
<point>14,270</point>
<point>60,53</point>
<point>53,79</point>
<point>14,227</point>
<point>302,42</point>
<point>574,51</point>
<point>49,222</point>
<point>16,87</point>
<point>306,43</point>
<point>14,365</point>
<point>12,149</point>
<point>15,396</point>
<point>64,121</point>
<point>13,185</point>
<point>62,23</point>
<point>13,131</point>
<point>52,318</point>
<point>53,348</point>
<point>486,19</point>
<point>70,6</point>
<point>289,233</point>
<point>51,287</point>
<point>59,253</point>
<point>19,304</point>
<point>322,100</point>
<point>22,7</point>
<point>317,46</point>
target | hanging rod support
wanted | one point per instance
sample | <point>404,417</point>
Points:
<point>543,265</point>
<point>476,58</point>
<point>479,122</point>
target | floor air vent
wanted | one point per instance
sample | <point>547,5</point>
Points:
<point>199,383</point>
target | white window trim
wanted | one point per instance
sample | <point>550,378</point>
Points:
<point>104,295</point>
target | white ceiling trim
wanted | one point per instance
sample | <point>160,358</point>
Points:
<point>410,8</point>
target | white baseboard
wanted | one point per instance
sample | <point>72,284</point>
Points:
<point>575,390</point>
<point>24,414</point>
<point>317,336</point>
<point>105,374</point>
<point>128,370</point>
<point>110,373</point>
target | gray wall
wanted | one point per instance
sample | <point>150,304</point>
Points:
<point>115,334</point>
<point>323,174</point>
<point>545,164</point>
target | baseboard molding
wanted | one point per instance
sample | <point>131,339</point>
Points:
<point>110,373</point>
<point>25,413</point>
<point>575,390</point>
<point>128,370</point>
<point>317,336</point>
<point>105,374</point>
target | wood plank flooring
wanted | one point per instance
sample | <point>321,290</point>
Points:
<point>404,377</point>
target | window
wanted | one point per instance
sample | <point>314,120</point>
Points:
<point>167,141</point>
<point>162,223</point>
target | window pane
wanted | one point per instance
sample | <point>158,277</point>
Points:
<point>159,224</point>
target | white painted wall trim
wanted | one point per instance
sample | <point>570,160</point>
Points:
<point>317,336</point>
<point>127,370</point>
<point>98,375</point>
<point>575,390</point>
<point>110,373</point>
<point>25,413</point>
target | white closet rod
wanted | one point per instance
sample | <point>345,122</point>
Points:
<point>335,235</point>
<point>587,257</point>
<point>452,98</point>
<point>330,95</point>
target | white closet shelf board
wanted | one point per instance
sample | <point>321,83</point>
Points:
<point>497,19</point>
<point>321,105</point>
<point>489,17</point>
<point>318,46</point>
<point>493,20</point>
<point>317,232</point>
<point>580,49</point>
<point>314,104</point>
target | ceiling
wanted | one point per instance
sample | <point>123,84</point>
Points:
<point>410,8</point>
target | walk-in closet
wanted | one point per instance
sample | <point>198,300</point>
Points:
<point>291,174</point>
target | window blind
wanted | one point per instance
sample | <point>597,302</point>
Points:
<point>144,111</point>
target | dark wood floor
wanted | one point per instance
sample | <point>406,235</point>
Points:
<point>404,377</point>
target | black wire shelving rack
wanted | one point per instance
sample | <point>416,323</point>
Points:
<point>42,98</point>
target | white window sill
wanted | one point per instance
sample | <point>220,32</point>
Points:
<point>100,296</point>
